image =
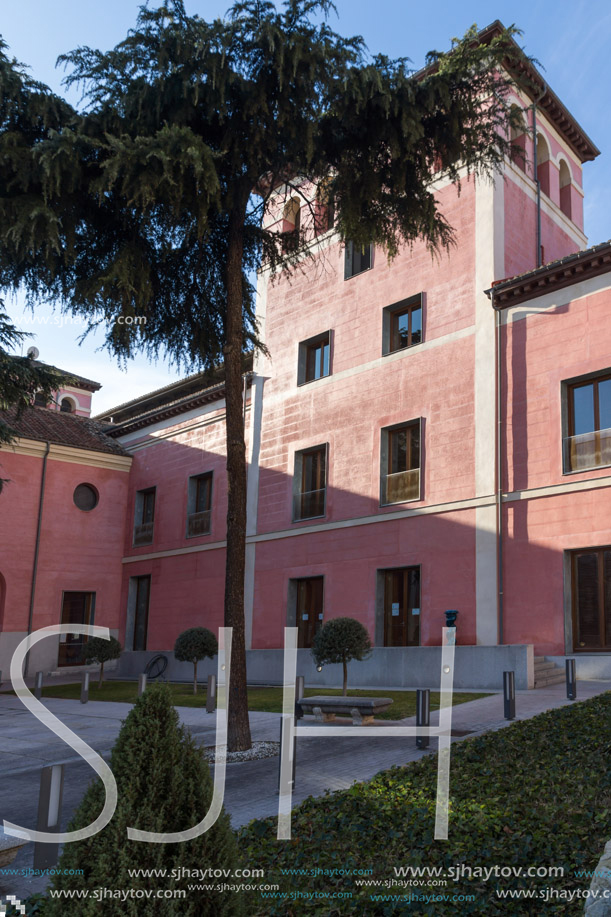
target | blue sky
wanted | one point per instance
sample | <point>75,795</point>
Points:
<point>570,39</point>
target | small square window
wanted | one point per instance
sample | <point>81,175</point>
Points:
<point>402,325</point>
<point>199,505</point>
<point>314,358</point>
<point>357,258</point>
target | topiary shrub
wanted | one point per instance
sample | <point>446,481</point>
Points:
<point>164,785</point>
<point>195,644</point>
<point>98,651</point>
<point>340,640</point>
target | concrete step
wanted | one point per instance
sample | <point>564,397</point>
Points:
<point>555,678</point>
<point>541,667</point>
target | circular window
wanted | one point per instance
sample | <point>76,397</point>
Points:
<point>86,497</point>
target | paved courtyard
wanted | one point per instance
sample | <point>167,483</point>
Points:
<point>251,787</point>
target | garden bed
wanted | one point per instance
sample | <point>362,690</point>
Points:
<point>534,794</point>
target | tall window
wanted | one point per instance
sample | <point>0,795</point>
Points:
<point>314,358</point>
<point>592,599</point>
<point>77,608</point>
<point>566,204</point>
<point>66,406</point>
<point>310,483</point>
<point>145,517</point>
<point>140,593</point>
<point>402,606</point>
<point>291,224</point>
<point>357,258</point>
<point>400,472</point>
<point>199,506</point>
<point>308,609</point>
<point>588,444</point>
<point>402,324</point>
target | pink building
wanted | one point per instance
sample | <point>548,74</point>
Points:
<point>426,435</point>
<point>62,517</point>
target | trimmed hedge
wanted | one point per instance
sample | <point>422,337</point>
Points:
<point>536,793</point>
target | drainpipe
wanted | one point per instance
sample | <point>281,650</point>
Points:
<point>36,551</point>
<point>536,172</point>
<point>499,472</point>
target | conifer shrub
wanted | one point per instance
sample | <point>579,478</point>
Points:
<point>164,785</point>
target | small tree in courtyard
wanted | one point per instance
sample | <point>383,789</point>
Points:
<point>98,651</point>
<point>164,785</point>
<point>340,640</point>
<point>195,644</point>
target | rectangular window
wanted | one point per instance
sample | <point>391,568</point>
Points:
<point>77,608</point>
<point>402,325</point>
<point>310,483</point>
<point>145,517</point>
<point>314,358</point>
<point>400,471</point>
<point>588,444</point>
<point>402,606</point>
<point>142,594</point>
<point>591,575</point>
<point>199,505</point>
<point>357,258</point>
<point>308,609</point>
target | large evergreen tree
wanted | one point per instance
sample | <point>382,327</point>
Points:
<point>144,204</point>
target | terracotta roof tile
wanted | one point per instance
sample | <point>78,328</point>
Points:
<point>63,429</point>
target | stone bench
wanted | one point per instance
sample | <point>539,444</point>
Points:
<point>361,709</point>
<point>9,847</point>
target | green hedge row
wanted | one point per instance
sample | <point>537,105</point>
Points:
<point>537,793</point>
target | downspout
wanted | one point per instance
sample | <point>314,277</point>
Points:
<point>36,551</point>
<point>536,172</point>
<point>499,473</point>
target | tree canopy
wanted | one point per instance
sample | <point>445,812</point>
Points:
<point>153,201</point>
<point>340,640</point>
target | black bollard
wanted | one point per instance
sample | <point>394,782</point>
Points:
<point>571,680</point>
<point>509,695</point>
<point>211,694</point>
<point>423,715</point>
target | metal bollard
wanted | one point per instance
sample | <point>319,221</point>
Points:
<point>49,814</point>
<point>141,684</point>
<point>299,692</point>
<point>571,679</point>
<point>38,686</point>
<point>280,758</point>
<point>85,688</point>
<point>509,695</point>
<point>211,694</point>
<point>423,715</point>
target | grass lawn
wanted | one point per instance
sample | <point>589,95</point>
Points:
<point>534,794</point>
<point>267,700</point>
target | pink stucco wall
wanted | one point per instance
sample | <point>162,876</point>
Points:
<point>79,551</point>
<point>186,589</point>
<point>539,352</point>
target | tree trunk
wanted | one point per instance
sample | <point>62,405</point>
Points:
<point>195,677</point>
<point>238,737</point>
<point>101,678</point>
<point>345,664</point>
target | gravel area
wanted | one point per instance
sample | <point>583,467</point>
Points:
<point>258,751</point>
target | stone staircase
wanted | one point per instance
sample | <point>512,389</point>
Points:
<point>547,673</point>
